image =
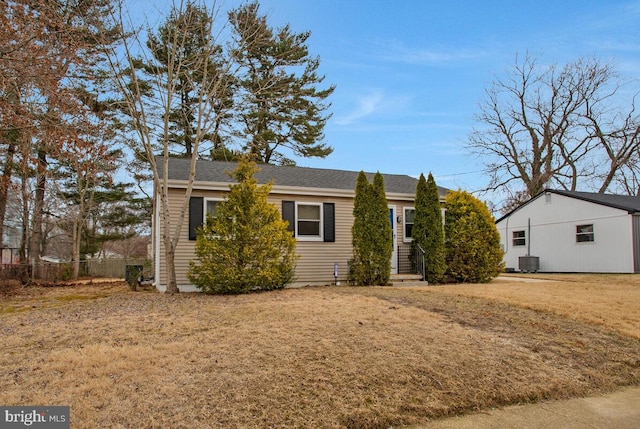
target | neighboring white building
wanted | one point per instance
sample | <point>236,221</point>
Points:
<point>569,231</point>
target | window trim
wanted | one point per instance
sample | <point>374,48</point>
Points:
<point>320,236</point>
<point>520,240</point>
<point>591,234</point>
<point>406,239</point>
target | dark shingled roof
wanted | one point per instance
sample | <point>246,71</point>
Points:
<point>303,177</point>
<point>623,202</point>
<point>629,203</point>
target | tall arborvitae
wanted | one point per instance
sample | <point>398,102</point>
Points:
<point>371,234</point>
<point>360,268</point>
<point>472,241</point>
<point>383,236</point>
<point>428,230</point>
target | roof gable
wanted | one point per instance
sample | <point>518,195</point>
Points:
<point>302,177</point>
<point>628,203</point>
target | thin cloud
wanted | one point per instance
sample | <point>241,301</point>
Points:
<point>365,106</point>
<point>397,52</point>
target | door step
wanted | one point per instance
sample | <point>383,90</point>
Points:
<point>395,278</point>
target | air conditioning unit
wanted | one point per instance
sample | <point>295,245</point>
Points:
<point>529,264</point>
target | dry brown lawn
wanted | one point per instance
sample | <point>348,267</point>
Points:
<point>312,357</point>
<point>612,300</point>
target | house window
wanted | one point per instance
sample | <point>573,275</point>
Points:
<point>408,217</point>
<point>584,233</point>
<point>308,221</point>
<point>311,221</point>
<point>519,238</point>
<point>211,207</point>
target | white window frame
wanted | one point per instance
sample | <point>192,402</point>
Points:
<point>318,237</point>
<point>523,237</point>
<point>592,233</point>
<point>406,239</point>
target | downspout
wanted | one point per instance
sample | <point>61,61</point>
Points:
<point>529,236</point>
<point>506,236</point>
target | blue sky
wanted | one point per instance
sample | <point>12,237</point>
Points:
<point>410,74</point>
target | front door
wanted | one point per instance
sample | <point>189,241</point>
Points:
<point>394,256</point>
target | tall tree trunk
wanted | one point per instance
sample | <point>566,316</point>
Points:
<point>37,238</point>
<point>5,182</point>
<point>24,266</point>
<point>169,257</point>
<point>76,233</point>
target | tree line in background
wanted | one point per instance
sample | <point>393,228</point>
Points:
<point>58,154</point>
<point>85,93</point>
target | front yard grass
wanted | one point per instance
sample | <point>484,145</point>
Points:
<point>313,357</point>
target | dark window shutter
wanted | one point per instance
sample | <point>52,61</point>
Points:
<point>329,227</point>
<point>289,214</point>
<point>196,215</point>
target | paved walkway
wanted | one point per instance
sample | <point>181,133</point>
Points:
<point>619,410</point>
<point>523,279</point>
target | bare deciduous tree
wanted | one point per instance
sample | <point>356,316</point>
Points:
<point>47,93</point>
<point>545,127</point>
<point>151,117</point>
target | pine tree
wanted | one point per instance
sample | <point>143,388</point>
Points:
<point>427,230</point>
<point>246,246</point>
<point>191,26</point>
<point>472,241</point>
<point>371,234</point>
<point>282,108</point>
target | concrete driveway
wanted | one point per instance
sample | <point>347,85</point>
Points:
<point>620,410</point>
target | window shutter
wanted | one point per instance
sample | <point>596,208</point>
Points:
<point>196,215</point>
<point>329,227</point>
<point>289,214</point>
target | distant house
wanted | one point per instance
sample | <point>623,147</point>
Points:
<point>318,203</point>
<point>569,231</point>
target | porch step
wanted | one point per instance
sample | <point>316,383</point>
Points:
<point>395,278</point>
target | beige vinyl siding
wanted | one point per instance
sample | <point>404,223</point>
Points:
<point>316,258</point>
<point>186,248</point>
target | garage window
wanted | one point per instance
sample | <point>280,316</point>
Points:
<point>519,238</point>
<point>584,233</point>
